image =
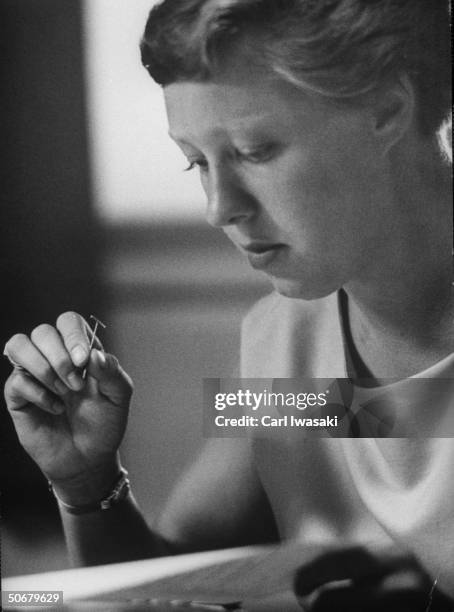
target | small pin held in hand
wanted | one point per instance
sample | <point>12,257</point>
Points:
<point>94,329</point>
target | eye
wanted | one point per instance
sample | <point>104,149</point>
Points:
<point>257,155</point>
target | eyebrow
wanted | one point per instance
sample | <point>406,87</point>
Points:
<point>258,127</point>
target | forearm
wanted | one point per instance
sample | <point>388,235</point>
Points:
<point>96,536</point>
<point>107,536</point>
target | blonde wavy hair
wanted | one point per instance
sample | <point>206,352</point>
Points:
<point>341,49</point>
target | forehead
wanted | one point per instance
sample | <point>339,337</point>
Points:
<point>238,100</point>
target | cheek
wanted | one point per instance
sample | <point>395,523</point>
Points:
<point>305,191</point>
<point>327,198</point>
<point>340,180</point>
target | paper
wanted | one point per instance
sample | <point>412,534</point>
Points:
<point>233,574</point>
<point>252,574</point>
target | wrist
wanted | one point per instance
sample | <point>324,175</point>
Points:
<point>87,488</point>
<point>118,493</point>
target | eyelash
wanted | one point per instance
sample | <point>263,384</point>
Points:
<point>262,156</point>
<point>191,166</point>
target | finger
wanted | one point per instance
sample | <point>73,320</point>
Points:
<point>113,381</point>
<point>372,598</point>
<point>352,563</point>
<point>417,581</point>
<point>27,356</point>
<point>49,342</point>
<point>76,335</point>
<point>404,590</point>
<point>21,391</point>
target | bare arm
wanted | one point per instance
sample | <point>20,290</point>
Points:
<point>72,427</point>
<point>217,504</point>
<point>115,535</point>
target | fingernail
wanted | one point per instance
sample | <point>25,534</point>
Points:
<point>60,387</point>
<point>101,359</point>
<point>79,355</point>
<point>75,381</point>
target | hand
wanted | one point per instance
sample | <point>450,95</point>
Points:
<point>358,579</point>
<point>71,427</point>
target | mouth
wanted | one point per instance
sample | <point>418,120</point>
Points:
<point>261,254</point>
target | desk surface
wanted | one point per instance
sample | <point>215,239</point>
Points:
<point>261,577</point>
<point>284,602</point>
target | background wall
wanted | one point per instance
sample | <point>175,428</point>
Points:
<point>49,232</point>
<point>137,170</point>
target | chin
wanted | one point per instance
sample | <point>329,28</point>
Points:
<point>296,289</point>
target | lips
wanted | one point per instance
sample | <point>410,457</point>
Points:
<point>260,247</point>
<point>261,254</point>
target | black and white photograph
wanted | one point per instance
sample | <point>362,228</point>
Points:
<point>228,307</point>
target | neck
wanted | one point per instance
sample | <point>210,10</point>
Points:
<point>404,300</point>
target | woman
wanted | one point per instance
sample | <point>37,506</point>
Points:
<point>314,126</point>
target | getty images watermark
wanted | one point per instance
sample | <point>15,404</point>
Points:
<point>327,407</point>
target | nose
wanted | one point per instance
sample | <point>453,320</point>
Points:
<point>229,201</point>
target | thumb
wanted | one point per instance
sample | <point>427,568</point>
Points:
<point>113,382</point>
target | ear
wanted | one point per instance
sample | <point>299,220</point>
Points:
<point>393,112</point>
